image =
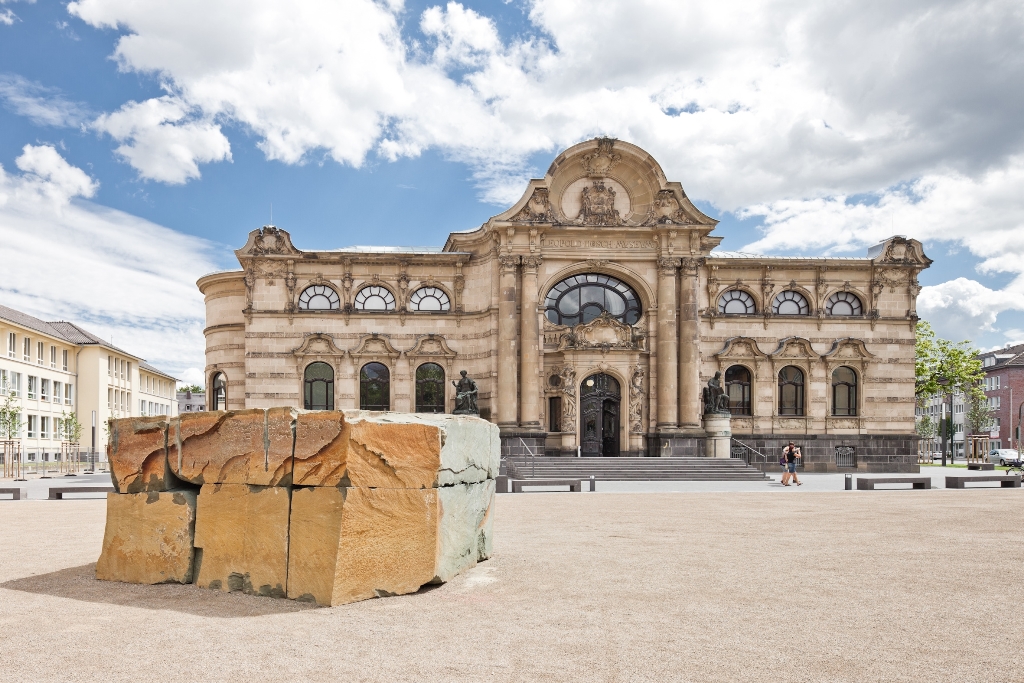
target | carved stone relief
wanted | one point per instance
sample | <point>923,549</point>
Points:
<point>636,401</point>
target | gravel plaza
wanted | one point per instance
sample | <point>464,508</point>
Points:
<point>702,586</point>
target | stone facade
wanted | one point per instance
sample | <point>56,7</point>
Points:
<point>604,209</point>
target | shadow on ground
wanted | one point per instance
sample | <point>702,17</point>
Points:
<point>80,583</point>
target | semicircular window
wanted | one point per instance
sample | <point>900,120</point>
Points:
<point>429,299</point>
<point>843,303</point>
<point>375,298</point>
<point>319,298</point>
<point>790,303</point>
<point>735,301</point>
<point>581,298</point>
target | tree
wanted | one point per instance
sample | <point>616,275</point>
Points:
<point>193,388</point>
<point>71,427</point>
<point>943,367</point>
<point>10,414</point>
<point>978,416</point>
<point>926,427</point>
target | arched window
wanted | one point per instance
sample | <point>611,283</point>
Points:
<point>430,388</point>
<point>319,298</point>
<point>581,298</point>
<point>219,398</point>
<point>374,387</point>
<point>791,391</point>
<point>735,301</point>
<point>374,298</point>
<point>319,387</point>
<point>429,299</point>
<point>737,388</point>
<point>790,303</point>
<point>844,391</point>
<point>843,303</point>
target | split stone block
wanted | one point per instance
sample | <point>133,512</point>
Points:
<point>466,528</point>
<point>148,537</point>
<point>251,446</point>
<point>241,538</point>
<point>137,453</point>
<point>357,448</point>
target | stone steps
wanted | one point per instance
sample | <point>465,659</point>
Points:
<point>635,469</point>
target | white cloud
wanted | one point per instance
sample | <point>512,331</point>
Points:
<point>43,106</point>
<point>113,273</point>
<point>961,308</point>
<point>7,17</point>
<point>162,141</point>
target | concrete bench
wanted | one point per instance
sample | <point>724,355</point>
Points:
<point>868,483</point>
<point>981,466</point>
<point>501,483</point>
<point>58,492</point>
<point>15,493</point>
<point>575,485</point>
<point>1006,482</point>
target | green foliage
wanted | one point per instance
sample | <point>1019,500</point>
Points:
<point>927,427</point>
<point>10,414</point>
<point>938,360</point>
<point>71,427</point>
<point>978,416</point>
<point>194,388</point>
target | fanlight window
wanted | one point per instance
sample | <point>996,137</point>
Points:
<point>844,391</point>
<point>429,299</point>
<point>736,301</point>
<point>219,399</point>
<point>843,303</point>
<point>375,298</point>
<point>791,391</point>
<point>737,388</point>
<point>581,298</point>
<point>375,387</point>
<point>430,388</point>
<point>318,387</point>
<point>790,303</point>
<point>319,298</point>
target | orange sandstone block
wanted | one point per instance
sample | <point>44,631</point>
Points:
<point>148,537</point>
<point>137,453</point>
<point>233,447</point>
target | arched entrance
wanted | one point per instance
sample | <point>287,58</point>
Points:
<point>599,416</point>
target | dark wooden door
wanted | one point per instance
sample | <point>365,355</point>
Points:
<point>599,416</point>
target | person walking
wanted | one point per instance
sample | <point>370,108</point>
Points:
<point>789,455</point>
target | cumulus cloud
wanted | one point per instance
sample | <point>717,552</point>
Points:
<point>962,307</point>
<point>115,274</point>
<point>42,105</point>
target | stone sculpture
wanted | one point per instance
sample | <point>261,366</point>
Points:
<point>465,396</point>
<point>715,399</point>
<point>325,506</point>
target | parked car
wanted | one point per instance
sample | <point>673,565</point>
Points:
<point>1004,456</point>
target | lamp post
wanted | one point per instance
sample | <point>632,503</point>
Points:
<point>945,421</point>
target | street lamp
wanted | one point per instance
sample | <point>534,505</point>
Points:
<point>945,422</point>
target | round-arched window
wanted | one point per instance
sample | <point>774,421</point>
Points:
<point>791,391</point>
<point>843,303</point>
<point>318,387</point>
<point>375,298</point>
<point>737,388</point>
<point>736,301</point>
<point>581,298</point>
<point>429,299</point>
<point>430,388</point>
<point>219,398</point>
<point>790,303</point>
<point>844,391</point>
<point>374,387</point>
<point>319,298</point>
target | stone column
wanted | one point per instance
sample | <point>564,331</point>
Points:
<point>667,344</point>
<point>689,345</point>
<point>508,356</point>
<point>529,354</point>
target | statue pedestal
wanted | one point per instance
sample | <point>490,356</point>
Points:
<point>718,442</point>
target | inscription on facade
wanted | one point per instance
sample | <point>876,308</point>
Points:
<point>598,244</point>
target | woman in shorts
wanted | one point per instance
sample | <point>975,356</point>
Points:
<point>790,454</point>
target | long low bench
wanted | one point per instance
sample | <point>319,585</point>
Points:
<point>575,485</point>
<point>868,483</point>
<point>981,466</point>
<point>15,493</point>
<point>57,493</point>
<point>1006,482</point>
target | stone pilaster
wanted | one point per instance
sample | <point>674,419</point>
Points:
<point>689,345</point>
<point>508,354</point>
<point>529,354</point>
<point>667,344</point>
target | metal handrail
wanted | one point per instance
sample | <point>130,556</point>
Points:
<point>750,449</point>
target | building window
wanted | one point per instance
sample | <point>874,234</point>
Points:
<point>53,356</point>
<point>26,350</point>
<point>843,303</point>
<point>790,303</point>
<point>64,360</point>
<point>219,395</point>
<point>737,388</point>
<point>736,302</point>
<point>44,427</point>
<point>844,391</point>
<point>319,298</point>
<point>581,298</point>
<point>989,361</point>
<point>15,384</point>
<point>44,390</point>
<point>40,348</point>
<point>33,386</point>
<point>791,391</point>
<point>429,299</point>
<point>57,391</point>
<point>374,298</point>
<point>555,414</point>
<point>318,387</point>
<point>430,388</point>
<point>5,382</point>
<point>110,366</point>
<point>127,367</point>
<point>995,402</point>
<point>12,345</point>
<point>110,399</point>
<point>31,426</point>
<point>374,387</point>
<point>67,394</point>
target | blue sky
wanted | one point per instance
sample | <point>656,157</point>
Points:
<point>141,143</point>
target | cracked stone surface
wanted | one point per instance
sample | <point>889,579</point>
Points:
<point>148,537</point>
<point>137,453</point>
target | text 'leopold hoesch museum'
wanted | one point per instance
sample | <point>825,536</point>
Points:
<point>590,314</point>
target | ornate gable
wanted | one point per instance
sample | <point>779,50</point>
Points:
<point>268,240</point>
<point>375,347</point>
<point>899,251</point>
<point>603,332</point>
<point>848,349</point>
<point>317,346</point>
<point>794,348</point>
<point>740,349</point>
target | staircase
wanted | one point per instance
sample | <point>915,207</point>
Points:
<point>634,469</point>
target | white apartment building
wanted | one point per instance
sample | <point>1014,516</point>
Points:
<point>55,368</point>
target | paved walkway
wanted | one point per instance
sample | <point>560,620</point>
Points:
<point>37,488</point>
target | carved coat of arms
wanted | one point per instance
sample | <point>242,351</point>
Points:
<point>598,206</point>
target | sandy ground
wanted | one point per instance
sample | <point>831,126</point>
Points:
<point>880,586</point>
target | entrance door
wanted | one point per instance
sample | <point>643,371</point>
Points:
<point>599,416</point>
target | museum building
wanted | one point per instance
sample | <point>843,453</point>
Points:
<point>590,314</point>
